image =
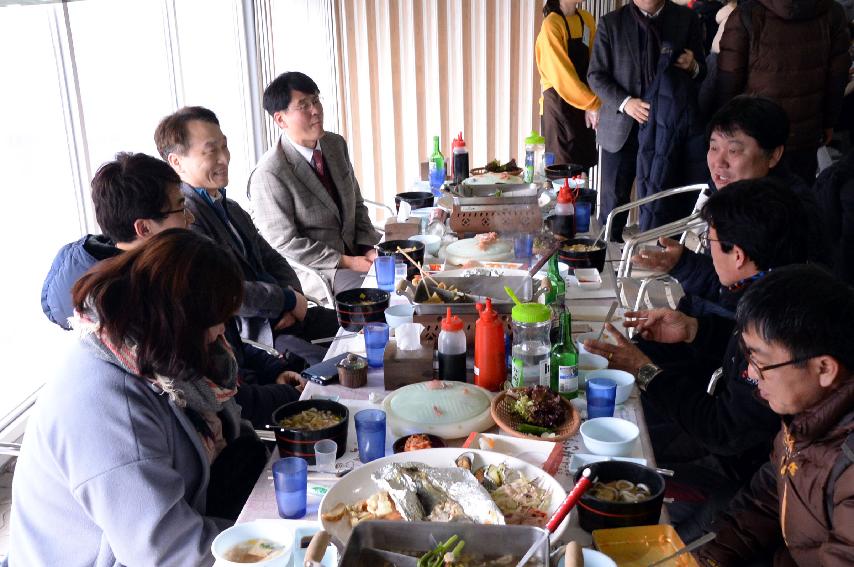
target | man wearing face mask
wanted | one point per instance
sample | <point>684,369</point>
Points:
<point>307,201</point>
<point>623,66</point>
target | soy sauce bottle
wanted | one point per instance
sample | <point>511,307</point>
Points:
<point>564,219</point>
<point>452,349</point>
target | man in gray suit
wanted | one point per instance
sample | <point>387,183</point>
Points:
<point>274,310</point>
<point>307,201</point>
<point>623,64</point>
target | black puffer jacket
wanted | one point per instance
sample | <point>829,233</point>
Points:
<point>834,191</point>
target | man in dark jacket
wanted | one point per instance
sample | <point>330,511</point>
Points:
<point>136,197</point>
<point>725,436</point>
<point>623,65</point>
<point>794,52</point>
<point>794,326</point>
<point>746,140</point>
<point>274,310</point>
<point>834,191</point>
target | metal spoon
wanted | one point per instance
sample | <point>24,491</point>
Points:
<point>690,547</point>
<point>608,318</point>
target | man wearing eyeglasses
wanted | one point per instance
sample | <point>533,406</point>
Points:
<point>799,507</point>
<point>307,201</point>
<point>714,432</point>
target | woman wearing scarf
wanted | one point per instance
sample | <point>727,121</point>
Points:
<point>569,109</point>
<point>116,459</point>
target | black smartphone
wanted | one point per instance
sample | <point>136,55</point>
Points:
<point>324,372</point>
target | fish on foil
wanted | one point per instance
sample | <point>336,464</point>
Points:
<point>421,492</point>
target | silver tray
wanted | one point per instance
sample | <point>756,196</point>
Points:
<point>481,540</point>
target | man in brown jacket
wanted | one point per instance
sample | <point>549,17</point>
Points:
<point>796,53</point>
<point>799,507</point>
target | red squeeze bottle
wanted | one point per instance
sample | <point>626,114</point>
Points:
<point>490,370</point>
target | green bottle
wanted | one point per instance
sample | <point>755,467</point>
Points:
<point>556,296</point>
<point>437,168</point>
<point>564,361</point>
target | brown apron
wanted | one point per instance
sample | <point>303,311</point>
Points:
<point>566,134</point>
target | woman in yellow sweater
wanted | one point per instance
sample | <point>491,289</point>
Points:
<point>568,107</point>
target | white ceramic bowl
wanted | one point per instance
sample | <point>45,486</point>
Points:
<point>431,243</point>
<point>609,436</point>
<point>592,558</point>
<point>397,315</point>
<point>587,363</point>
<point>625,382</point>
<point>579,340</point>
<point>250,530</point>
<point>588,278</point>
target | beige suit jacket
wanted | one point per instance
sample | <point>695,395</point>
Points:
<point>296,215</point>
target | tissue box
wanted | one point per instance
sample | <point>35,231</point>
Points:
<point>402,230</point>
<point>404,367</point>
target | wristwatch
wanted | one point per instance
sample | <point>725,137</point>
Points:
<point>646,373</point>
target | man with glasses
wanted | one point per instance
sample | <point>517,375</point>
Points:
<point>713,431</point>
<point>135,197</point>
<point>795,328</point>
<point>307,201</point>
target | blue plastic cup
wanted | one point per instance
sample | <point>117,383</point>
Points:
<point>290,477</point>
<point>582,216</point>
<point>384,269</point>
<point>437,179</point>
<point>376,337</point>
<point>523,246</point>
<point>370,434</point>
<point>601,394</point>
<point>549,159</point>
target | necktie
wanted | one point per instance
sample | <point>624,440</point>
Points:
<point>317,161</point>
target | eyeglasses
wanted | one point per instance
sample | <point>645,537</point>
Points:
<point>704,240</point>
<point>760,369</point>
<point>308,104</point>
<point>183,210</point>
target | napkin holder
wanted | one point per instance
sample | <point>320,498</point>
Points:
<point>404,367</point>
<point>402,230</point>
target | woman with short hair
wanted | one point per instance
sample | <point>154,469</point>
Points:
<point>116,459</point>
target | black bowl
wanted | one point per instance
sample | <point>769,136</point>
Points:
<point>583,259</point>
<point>416,199</point>
<point>361,305</point>
<point>389,248</point>
<point>595,514</point>
<point>436,442</point>
<point>300,442</point>
<point>564,170</point>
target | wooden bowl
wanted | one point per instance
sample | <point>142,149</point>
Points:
<point>507,420</point>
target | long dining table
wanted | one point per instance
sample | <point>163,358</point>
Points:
<point>588,310</point>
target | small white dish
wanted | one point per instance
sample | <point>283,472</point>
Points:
<point>592,558</point>
<point>592,335</point>
<point>581,460</point>
<point>588,278</point>
<point>625,382</point>
<point>239,533</point>
<point>587,363</point>
<point>431,243</point>
<point>610,436</point>
<point>397,315</point>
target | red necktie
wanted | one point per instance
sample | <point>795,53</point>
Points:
<point>317,161</point>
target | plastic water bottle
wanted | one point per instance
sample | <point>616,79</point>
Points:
<point>535,149</point>
<point>437,168</point>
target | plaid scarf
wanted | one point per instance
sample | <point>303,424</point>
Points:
<point>201,398</point>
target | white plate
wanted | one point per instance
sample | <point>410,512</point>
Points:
<point>579,460</point>
<point>358,484</point>
<point>593,558</point>
<point>462,251</point>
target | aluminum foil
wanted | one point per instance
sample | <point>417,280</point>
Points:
<point>424,493</point>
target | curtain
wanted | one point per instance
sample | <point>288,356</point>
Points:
<point>409,70</point>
